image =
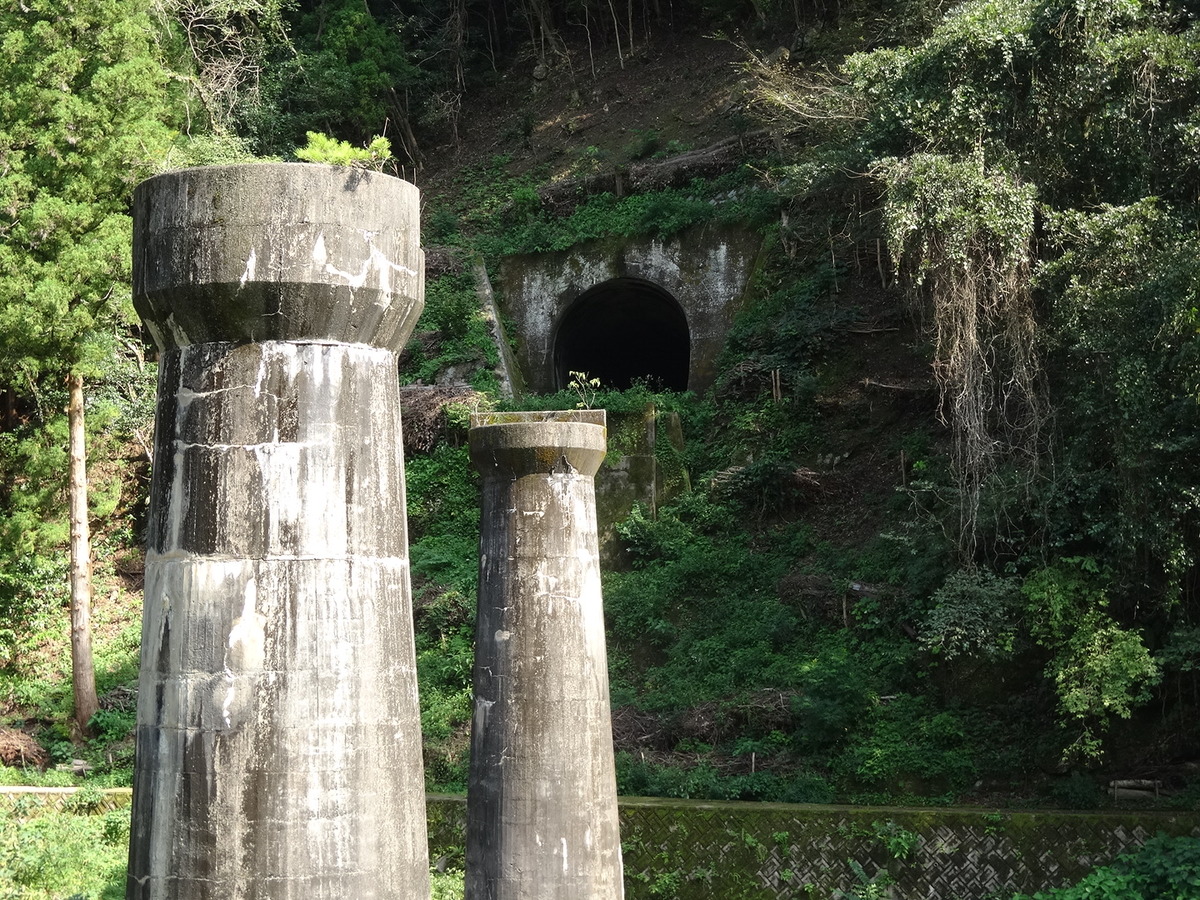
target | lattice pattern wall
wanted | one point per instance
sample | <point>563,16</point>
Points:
<point>684,850</point>
<point>24,803</point>
<point>688,850</point>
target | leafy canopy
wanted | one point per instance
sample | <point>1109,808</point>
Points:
<point>82,115</point>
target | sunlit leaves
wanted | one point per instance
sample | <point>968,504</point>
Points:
<point>81,119</point>
<point>942,210</point>
<point>1100,668</point>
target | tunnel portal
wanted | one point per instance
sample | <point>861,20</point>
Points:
<point>621,331</point>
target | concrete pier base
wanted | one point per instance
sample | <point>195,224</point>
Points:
<point>541,802</point>
<point>278,736</point>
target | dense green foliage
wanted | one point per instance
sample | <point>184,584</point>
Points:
<point>344,72</point>
<point>1017,594</point>
<point>443,546</point>
<point>65,854</point>
<point>85,115</point>
<point>452,334</point>
<point>79,853</point>
<point>1163,869</point>
<point>1035,164</point>
<point>531,229</point>
<point>1047,236</point>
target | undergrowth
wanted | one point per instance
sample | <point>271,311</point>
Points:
<point>64,855</point>
<point>78,854</point>
<point>498,214</point>
<point>1164,868</point>
<point>452,335</point>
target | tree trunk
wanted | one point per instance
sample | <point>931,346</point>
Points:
<point>83,671</point>
<point>408,140</point>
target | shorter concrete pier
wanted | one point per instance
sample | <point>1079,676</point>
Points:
<point>542,799</point>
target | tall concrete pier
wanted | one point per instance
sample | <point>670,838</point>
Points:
<point>278,735</point>
<point>542,800</point>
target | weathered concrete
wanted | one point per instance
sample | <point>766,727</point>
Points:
<point>507,372</point>
<point>278,252</point>
<point>644,465</point>
<point>541,800</point>
<point>704,270</point>
<point>278,736</point>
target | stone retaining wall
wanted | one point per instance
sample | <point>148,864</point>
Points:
<point>692,850</point>
<point>696,850</point>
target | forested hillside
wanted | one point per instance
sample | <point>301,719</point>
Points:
<point>940,542</point>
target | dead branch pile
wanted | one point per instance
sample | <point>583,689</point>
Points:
<point>636,730</point>
<point>19,749</point>
<point>814,596</point>
<point>424,410</point>
<point>441,261</point>
<point>561,197</point>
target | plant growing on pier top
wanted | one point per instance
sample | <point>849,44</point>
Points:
<point>584,388</point>
<point>321,148</point>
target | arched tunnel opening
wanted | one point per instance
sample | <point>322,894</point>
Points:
<point>622,331</point>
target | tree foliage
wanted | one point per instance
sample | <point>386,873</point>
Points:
<point>217,50</point>
<point>83,114</point>
<point>345,71</point>
<point>1037,186</point>
<point>82,119</point>
<point>1126,351</point>
<point>1100,669</point>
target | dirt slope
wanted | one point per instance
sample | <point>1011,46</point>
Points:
<point>676,93</point>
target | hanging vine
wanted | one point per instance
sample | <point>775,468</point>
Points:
<point>962,236</point>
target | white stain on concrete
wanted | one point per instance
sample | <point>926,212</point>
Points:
<point>179,337</point>
<point>662,262</point>
<point>251,268</point>
<point>376,263</point>
<point>245,649</point>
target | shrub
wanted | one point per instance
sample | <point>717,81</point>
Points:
<point>321,148</point>
<point>1100,669</point>
<point>636,778</point>
<point>1165,868</point>
<point>907,748</point>
<point>63,855</point>
<point>973,613</point>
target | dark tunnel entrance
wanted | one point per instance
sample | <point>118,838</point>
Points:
<point>622,331</point>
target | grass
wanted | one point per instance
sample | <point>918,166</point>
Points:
<point>64,856</point>
<point>77,854</point>
<point>447,885</point>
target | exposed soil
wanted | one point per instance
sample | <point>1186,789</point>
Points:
<point>20,749</point>
<point>677,93</point>
<point>878,386</point>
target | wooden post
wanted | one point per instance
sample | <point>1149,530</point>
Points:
<point>83,670</point>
